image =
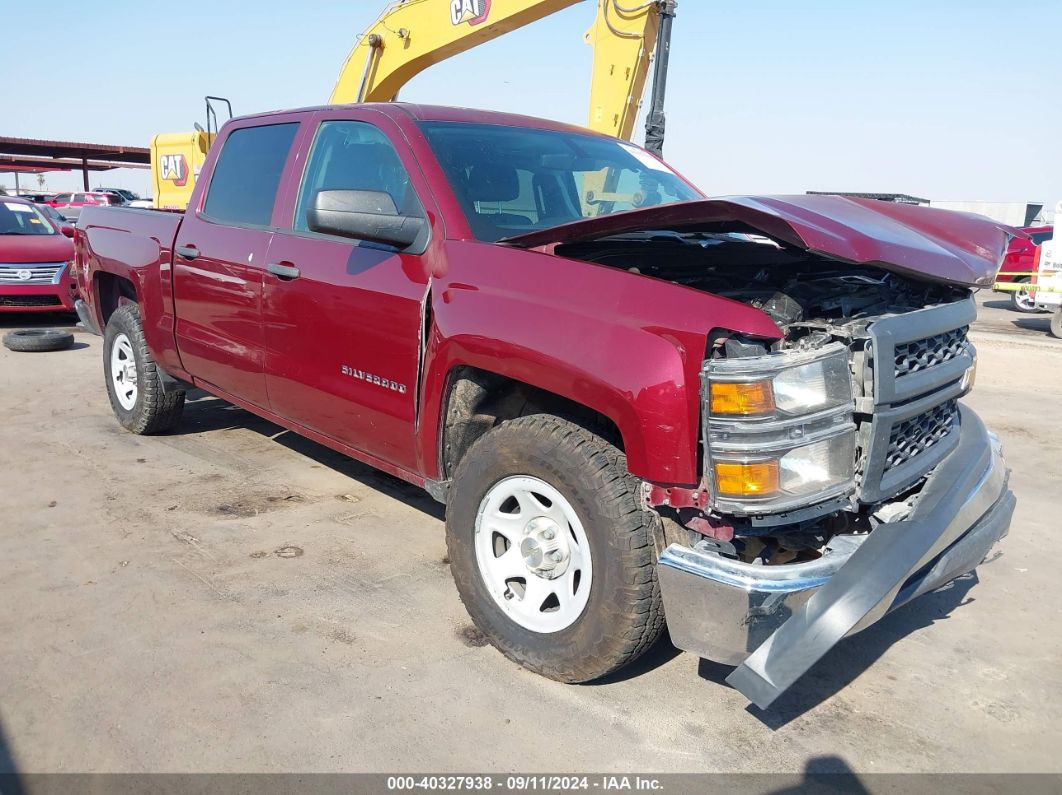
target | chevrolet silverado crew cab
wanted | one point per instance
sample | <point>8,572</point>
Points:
<point>743,414</point>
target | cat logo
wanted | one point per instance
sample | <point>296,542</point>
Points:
<point>174,168</point>
<point>471,11</point>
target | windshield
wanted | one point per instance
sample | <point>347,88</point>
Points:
<point>23,219</point>
<point>513,180</point>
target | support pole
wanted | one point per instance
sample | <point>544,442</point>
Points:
<point>84,172</point>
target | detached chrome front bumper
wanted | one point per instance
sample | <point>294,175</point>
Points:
<point>775,622</point>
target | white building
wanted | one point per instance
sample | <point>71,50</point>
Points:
<point>1010,213</point>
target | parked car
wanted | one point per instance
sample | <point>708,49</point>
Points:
<point>627,412</point>
<point>36,197</point>
<point>35,260</point>
<point>69,204</point>
<point>126,195</point>
<point>53,214</point>
<point>1021,259</point>
<point>119,199</point>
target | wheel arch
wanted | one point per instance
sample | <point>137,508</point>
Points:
<point>110,292</point>
<point>476,400</point>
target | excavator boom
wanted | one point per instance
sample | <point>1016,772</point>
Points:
<point>412,35</point>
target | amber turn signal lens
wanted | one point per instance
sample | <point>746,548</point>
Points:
<point>746,480</point>
<point>750,398</point>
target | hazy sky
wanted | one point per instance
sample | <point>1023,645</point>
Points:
<point>946,99</point>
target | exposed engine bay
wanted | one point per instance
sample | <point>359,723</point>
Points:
<point>816,302</point>
<point>803,293</point>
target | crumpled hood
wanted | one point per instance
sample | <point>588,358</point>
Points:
<point>35,248</point>
<point>939,245</point>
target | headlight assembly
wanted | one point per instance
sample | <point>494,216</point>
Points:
<point>779,429</point>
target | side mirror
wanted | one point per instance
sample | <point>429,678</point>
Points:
<point>67,230</point>
<point>363,215</point>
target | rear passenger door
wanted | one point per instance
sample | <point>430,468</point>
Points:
<point>219,260</point>
<point>343,335</point>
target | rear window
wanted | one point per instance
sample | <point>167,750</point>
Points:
<point>247,174</point>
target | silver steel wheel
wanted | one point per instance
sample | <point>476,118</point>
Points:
<point>123,372</point>
<point>533,554</point>
<point>1023,301</point>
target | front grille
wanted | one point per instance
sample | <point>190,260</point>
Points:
<point>914,436</point>
<point>911,357</point>
<point>30,300</point>
<point>913,369</point>
<point>31,273</point>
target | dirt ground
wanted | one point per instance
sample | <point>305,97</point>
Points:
<point>231,597</point>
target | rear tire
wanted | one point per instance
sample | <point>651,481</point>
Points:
<point>1056,324</point>
<point>602,607</point>
<point>134,384</point>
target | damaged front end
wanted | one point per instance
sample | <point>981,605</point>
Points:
<point>842,477</point>
<point>850,478</point>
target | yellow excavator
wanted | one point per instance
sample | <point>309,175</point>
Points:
<point>627,37</point>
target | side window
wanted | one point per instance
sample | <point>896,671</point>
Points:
<point>79,198</point>
<point>354,155</point>
<point>62,198</point>
<point>244,184</point>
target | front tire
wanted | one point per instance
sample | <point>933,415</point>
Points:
<point>552,551</point>
<point>134,384</point>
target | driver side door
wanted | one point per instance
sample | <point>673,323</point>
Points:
<point>343,317</point>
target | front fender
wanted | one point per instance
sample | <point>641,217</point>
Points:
<point>627,346</point>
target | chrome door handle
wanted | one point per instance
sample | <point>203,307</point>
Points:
<point>285,272</point>
<point>187,252</point>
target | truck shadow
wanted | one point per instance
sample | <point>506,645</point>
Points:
<point>1041,323</point>
<point>997,304</point>
<point>205,413</point>
<point>853,655</point>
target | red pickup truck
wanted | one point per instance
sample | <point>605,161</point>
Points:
<point>743,413</point>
